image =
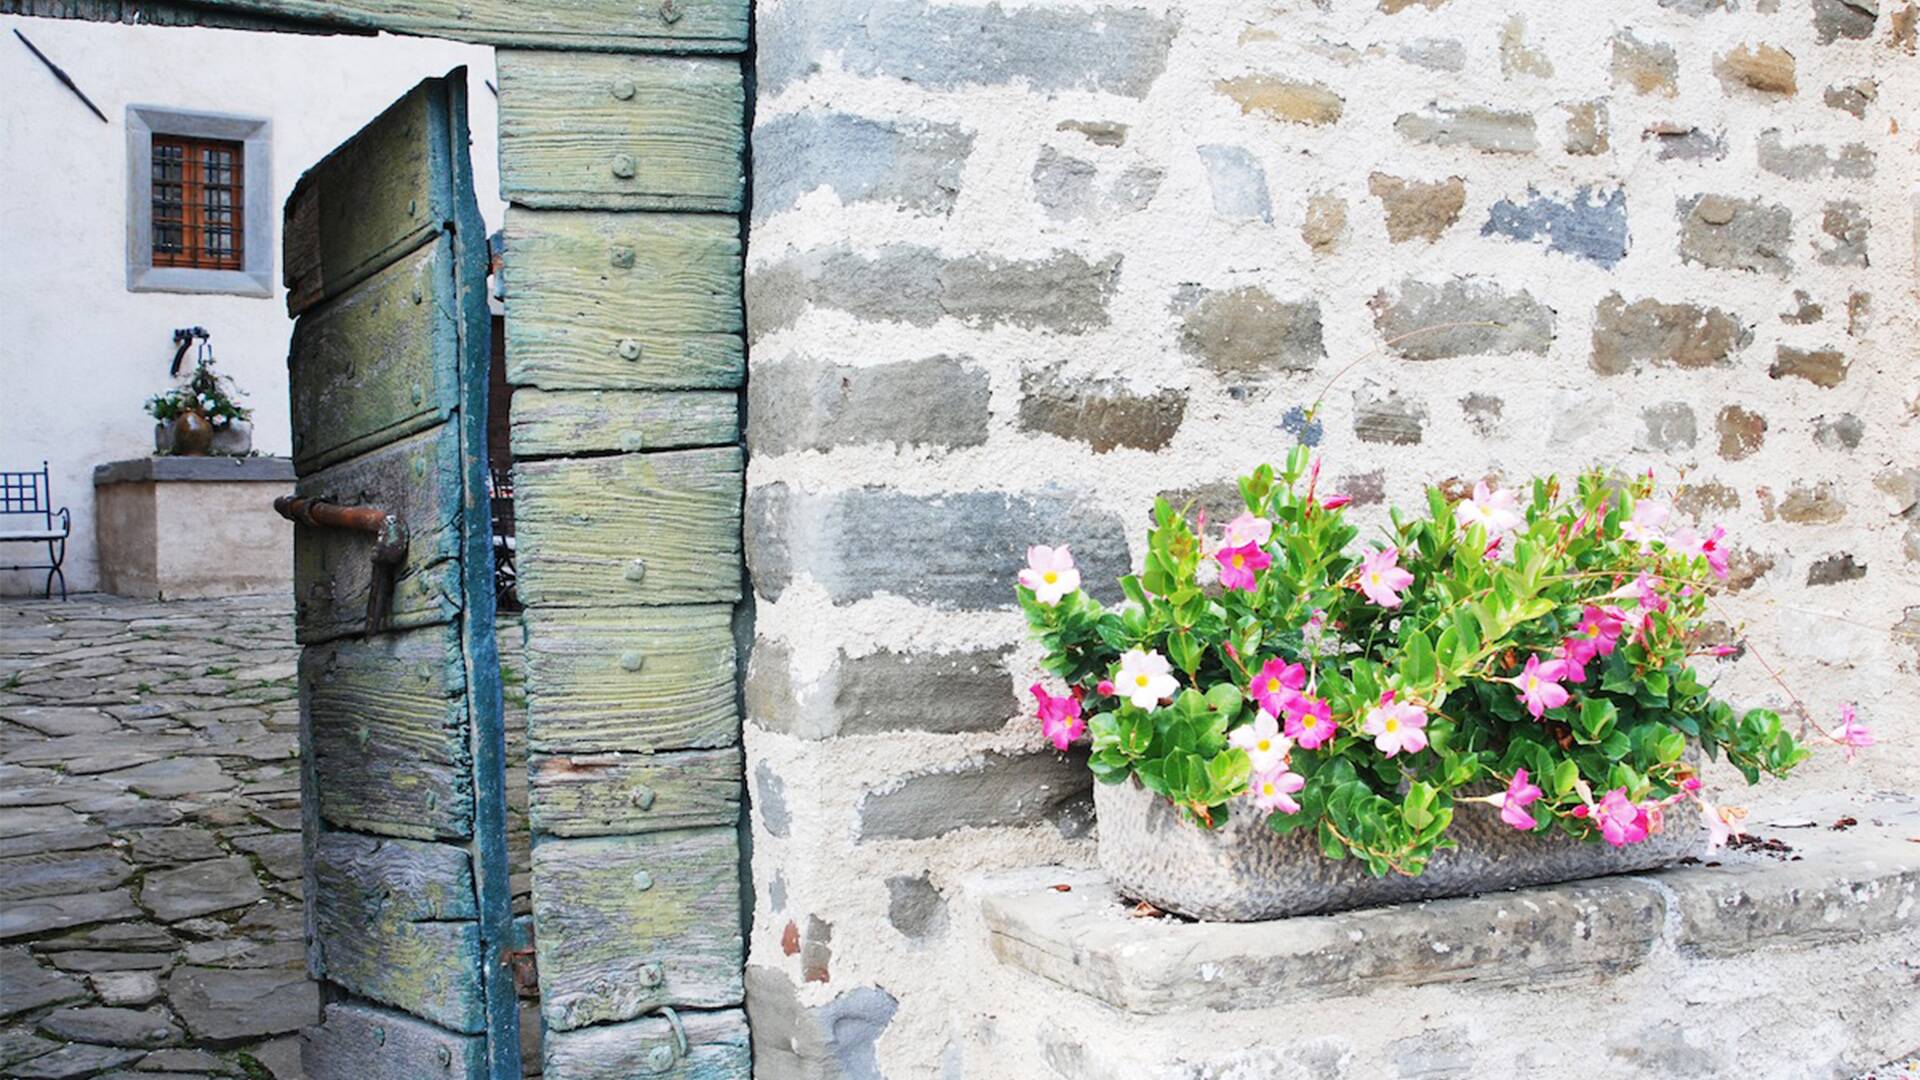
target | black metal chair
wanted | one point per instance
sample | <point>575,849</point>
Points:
<point>28,495</point>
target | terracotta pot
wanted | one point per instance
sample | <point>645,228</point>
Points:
<point>1244,871</point>
<point>192,434</point>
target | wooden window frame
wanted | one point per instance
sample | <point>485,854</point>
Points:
<point>197,187</point>
<point>250,271</point>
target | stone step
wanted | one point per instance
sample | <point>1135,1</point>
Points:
<point>1808,956</point>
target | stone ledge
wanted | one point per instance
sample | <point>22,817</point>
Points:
<point>201,469</point>
<point>1846,887</point>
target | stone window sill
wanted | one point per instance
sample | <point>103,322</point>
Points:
<point>1845,887</point>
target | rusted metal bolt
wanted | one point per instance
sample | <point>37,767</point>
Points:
<point>642,880</point>
<point>624,166</point>
<point>651,975</point>
<point>622,257</point>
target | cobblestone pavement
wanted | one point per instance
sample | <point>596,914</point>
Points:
<point>150,840</point>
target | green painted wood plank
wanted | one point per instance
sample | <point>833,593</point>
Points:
<point>376,363</point>
<point>557,422</point>
<point>637,301</point>
<point>622,794</point>
<point>362,1042</point>
<point>376,197</point>
<point>163,13</point>
<point>626,924</point>
<point>417,478</point>
<point>395,922</point>
<point>389,733</point>
<point>604,25</point>
<point>631,529</point>
<point>610,680</point>
<point>622,132</point>
<point>717,1041</point>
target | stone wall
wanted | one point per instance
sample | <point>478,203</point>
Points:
<point>1015,270</point>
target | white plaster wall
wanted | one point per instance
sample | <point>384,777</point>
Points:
<point>79,354</point>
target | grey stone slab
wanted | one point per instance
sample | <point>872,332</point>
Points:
<point>92,960</point>
<point>881,691</point>
<point>1238,183</point>
<point>803,404</point>
<point>1843,887</point>
<point>179,844</point>
<point>1460,316</point>
<point>119,937</point>
<point>279,853</point>
<point>125,987</point>
<point>112,1026</point>
<point>830,1041</point>
<point>1726,233</point>
<point>1248,333</point>
<point>25,985</point>
<point>19,1044</point>
<point>59,873</point>
<point>24,917</point>
<point>176,777</point>
<point>1587,224</point>
<point>185,1059</point>
<point>970,545</point>
<point>16,821</point>
<point>257,469</point>
<point>997,790</point>
<point>58,720</point>
<point>910,163</point>
<point>200,888</point>
<point>242,1003</point>
<point>75,1060</point>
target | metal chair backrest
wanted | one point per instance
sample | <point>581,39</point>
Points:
<point>25,493</point>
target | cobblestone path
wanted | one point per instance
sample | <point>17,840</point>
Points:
<point>150,919</point>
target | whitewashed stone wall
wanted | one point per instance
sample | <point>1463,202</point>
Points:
<point>1014,270</point>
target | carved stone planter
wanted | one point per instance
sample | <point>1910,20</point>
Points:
<point>1244,871</point>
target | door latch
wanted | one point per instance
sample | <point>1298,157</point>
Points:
<point>389,543</point>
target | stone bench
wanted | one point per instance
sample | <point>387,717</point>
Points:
<point>1752,964</point>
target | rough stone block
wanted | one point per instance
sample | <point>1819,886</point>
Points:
<point>881,691</point>
<point>1291,100</point>
<point>835,1041</point>
<point>916,907</point>
<point>1423,319</point>
<point>911,163</point>
<point>997,790</point>
<point>1238,183</point>
<point>1845,887</point>
<point>1490,131</point>
<point>1248,333</point>
<point>1835,569</point>
<point>1810,160</point>
<point>1386,416</point>
<point>1103,413</point>
<point>803,404</point>
<point>1587,128</point>
<point>959,550</point>
<point>1588,224</point>
<point>1822,367</point>
<point>1070,189</point>
<point>1418,210</point>
<point>1325,221</point>
<point>1646,67</point>
<point>1849,19</point>
<point>1842,432</point>
<point>1741,432</point>
<point>1668,426</point>
<point>1628,335</point>
<point>1853,96</point>
<point>1113,50</point>
<point>1736,234</point>
<point>1847,225</point>
<point>1435,54</point>
<point>1812,504</point>
<point>1685,142</point>
<point>1064,292</point>
<point>1767,70</point>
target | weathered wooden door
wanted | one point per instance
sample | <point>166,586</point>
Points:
<point>408,905</point>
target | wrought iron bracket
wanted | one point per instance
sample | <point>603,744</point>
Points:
<point>389,543</point>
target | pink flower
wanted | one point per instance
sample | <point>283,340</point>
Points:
<point>1059,717</point>
<point>1621,821</point>
<point>1692,545</point>
<point>1852,734</point>
<point>1496,510</point>
<point>1310,721</point>
<point>1515,800</point>
<point>1247,529</point>
<point>1719,829</point>
<point>1397,726</point>
<point>1145,678</point>
<point>1239,564</point>
<point>1600,629</point>
<point>1643,527</point>
<point>1274,790</point>
<point>1335,502</point>
<point>1050,573</point>
<point>1573,657</point>
<point>1276,683</point>
<point>1266,748</point>
<point>1381,577</point>
<point>1539,685</point>
<point>1104,688</point>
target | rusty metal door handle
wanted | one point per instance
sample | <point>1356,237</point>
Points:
<point>389,543</point>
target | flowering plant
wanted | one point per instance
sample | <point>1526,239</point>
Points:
<point>1529,655</point>
<point>212,396</point>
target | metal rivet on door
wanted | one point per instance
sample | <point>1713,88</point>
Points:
<point>632,660</point>
<point>623,89</point>
<point>624,166</point>
<point>642,880</point>
<point>622,257</point>
<point>629,349</point>
<point>636,570</point>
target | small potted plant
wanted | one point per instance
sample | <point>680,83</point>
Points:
<point>202,416</point>
<point>1501,691</point>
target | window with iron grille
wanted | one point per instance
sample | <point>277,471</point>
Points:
<point>198,204</point>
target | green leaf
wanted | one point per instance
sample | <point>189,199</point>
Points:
<point>1130,585</point>
<point>1416,660</point>
<point>1565,775</point>
<point>1227,775</point>
<point>1136,734</point>
<point>1109,766</point>
<point>1330,845</point>
<point>1596,721</point>
<point>1417,808</point>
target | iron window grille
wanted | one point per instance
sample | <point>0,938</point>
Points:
<point>198,203</point>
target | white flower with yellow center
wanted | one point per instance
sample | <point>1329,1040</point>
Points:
<point>1050,573</point>
<point>1145,678</point>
